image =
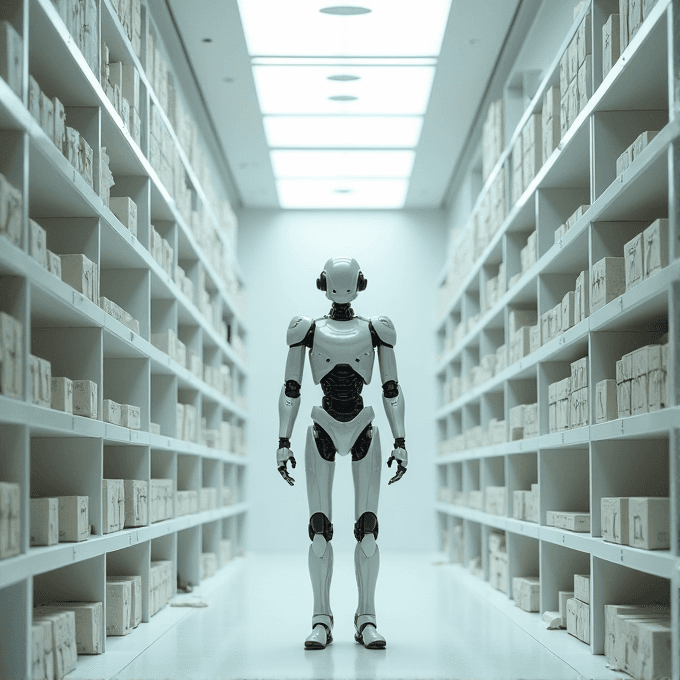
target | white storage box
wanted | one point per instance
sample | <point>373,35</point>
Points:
<point>118,607</point>
<point>89,620</point>
<point>44,521</point>
<point>649,523</point>
<point>85,398</point>
<point>525,592</point>
<point>74,523</point>
<point>62,394</point>
<point>136,505</point>
<point>614,520</point>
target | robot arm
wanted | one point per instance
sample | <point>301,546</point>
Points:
<point>300,332</point>
<point>393,400</point>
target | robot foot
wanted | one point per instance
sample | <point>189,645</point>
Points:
<point>367,633</point>
<point>319,637</point>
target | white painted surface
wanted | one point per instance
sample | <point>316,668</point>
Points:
<point>400,254</point>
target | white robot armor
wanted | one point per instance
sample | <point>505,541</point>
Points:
<point>341,353</point>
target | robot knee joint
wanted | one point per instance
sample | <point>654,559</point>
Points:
<point>320,524</point>
<point>366,524</point>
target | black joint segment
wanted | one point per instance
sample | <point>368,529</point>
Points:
<point>390,389</point>
<point>284,443</point>
<point>366,524</point>
<point>292,389</point>
<point>320,524</point>
<point>400,443</point>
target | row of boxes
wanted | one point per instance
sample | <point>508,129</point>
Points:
<point>642,384</point>
<point>125,415</point>
<point>568,401</point>
<point>11,356</point>
<point>551,122</point>
<point>498,560</point>
<point>125,504</point>
<point>527,155</point>
<point>123,604</point>
<point>130,15</point>
<point>570,222</point>
<point>162,252</point>
<point>626,159</point>
<point>641,522</point>
<point>11,212</point>
<point>186,502</point>
<point>37,249</point>
<point>82,22</point>
<point>646,254</point>
<point>120,82</point>
<point>525,504</point>
<point>74,396</point>
<point>186,422</point>
<point>576,77</point>
<point>185,284</point>
<point>54,652</point>
<point>11,57</point>
<point>493,136</point>
<point>160,585</point>
<point>61,519</point>
<point>631,15</point>
<point>637,639</point>
<point>119,314</point>
<point>161,500</point>
<point>475,437</point>
<point>493,290</point>
<point>87,627</point>
<point>490,366</point>
<point>571,521</point>
<point>523,422</point>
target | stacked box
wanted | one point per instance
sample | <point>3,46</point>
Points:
<point>605,401</point>
<point>37,653</point>
<point>568,308</point>
<point>47,667</point>
<point>578,619</point>
<point>624,375</point>
<point>59,637</point>
<point>111,412</point>
<point>581,298</point>
<point>639,392</point>
<point>74,524</point>
<point>633,253</point>
<point>119,611</point>
<point>498,432</point>
<point>62,394</point>
<point>160,585</point>
<point>85,398</point>
<point>225,550</point>
<point>37,243</point>
<point>207,499</point>
<point>528,253</point>
<point>520,344</point>
<point>187,502</point>
<point>161,500</point>
<point>227,496</point>
<point>119,314</point>
<point>88,623</point>
<point>614,520</point>
<point>498,560</point>
<point>105,177</point>
<point>11,356</point>
<point>518,184</point>
<point>579,408</point>
<point>496,500</point>
<point>11,212</point>
<point>517,422</point>
<point>572,521</point>
<point>550,119</point>
<point>136,504</point>
<point>532,149</point>
<point>11,57</point>
<point>560,406</point>
<point>208,564</point>
<point>10,522</point>
<point>526,592</point>
<point>493,138</point>
<point>525,504</point>
<point>82,274</point>
<point>634,150</point>
<point>531,427</point>
<point>113,503</point>
<point>649,523</point>
<point>44,521</point>
<point>130,416</point>
<point>563,597</point>
<point>41,381</point>
<point>611,44</point>
<point>607,281</point>
<point>135,598</point>
<point>655,247</point>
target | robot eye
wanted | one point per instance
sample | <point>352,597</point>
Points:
<point>348,290</point>
<point>334,290</point>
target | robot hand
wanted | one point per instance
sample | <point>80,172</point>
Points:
<point>283,455</point>
<point>399,454</point>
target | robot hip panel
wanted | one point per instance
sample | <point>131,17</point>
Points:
<point>366,475</point>
<point>343,434</point>
<point>319,473</point>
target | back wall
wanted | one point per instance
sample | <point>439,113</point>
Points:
<point>281,254</point>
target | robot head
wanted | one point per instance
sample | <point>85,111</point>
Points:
<point>341,279</point>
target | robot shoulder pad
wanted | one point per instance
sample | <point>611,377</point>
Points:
<point>298,329</point>
<point>384,329</point>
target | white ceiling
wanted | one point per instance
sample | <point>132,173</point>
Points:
<point>474,35</point>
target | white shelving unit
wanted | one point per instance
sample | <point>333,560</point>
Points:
<point>634,456</point>
<point>49,452</point>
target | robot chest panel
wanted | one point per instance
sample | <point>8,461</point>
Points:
<point>341,342</point>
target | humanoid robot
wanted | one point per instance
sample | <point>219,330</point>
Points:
<point>341,354</point>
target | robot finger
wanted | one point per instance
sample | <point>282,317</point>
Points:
<point>389,461</point>
<point>285,475</point>
<point>401,471</point>
<point>292,461</point>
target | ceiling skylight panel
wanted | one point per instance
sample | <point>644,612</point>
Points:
<point>394,28</point>
<point>360,164</point>
<point>388,90</point>
<point>342,193</point>
<point>343,131</point>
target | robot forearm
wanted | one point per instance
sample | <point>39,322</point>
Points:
<point>393,401</point>
<point>288,410</point>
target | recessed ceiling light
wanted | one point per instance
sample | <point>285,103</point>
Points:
<point>343,98</point>
<point>362,193</point>
<point>341,164</point>
<point>207,40</point>
<point>344,78</point>
<point>345,10</point>
<point>343,191</point>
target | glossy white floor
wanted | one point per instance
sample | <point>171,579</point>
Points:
<point>437,622</point>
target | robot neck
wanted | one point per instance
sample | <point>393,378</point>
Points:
<point>341,312</point>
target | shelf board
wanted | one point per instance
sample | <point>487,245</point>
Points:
<point>43,560</point>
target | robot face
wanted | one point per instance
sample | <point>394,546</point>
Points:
<point>342,275</point>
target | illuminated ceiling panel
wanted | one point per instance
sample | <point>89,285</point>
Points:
<point>343,131</point>
<point>399,28</point>
<point>342,193</point>
<point>359,164</point>
<point>311,89</point>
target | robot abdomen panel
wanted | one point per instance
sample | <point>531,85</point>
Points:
<point>342,342</point>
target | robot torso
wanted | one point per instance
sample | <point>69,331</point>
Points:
<point>342,343</point>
